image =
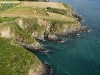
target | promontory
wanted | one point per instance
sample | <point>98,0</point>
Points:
<point>23,25</point>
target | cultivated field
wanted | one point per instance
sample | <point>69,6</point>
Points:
<point>44,4</point>
<point>39,10</point>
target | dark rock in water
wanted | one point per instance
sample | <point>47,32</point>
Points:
<point>48,69</point>
<point>34,48</point>
<point>83,29</point>
<point>59,39</point>
<point>45,35</point>
<point>52,37</point>
<point>78,17</point>
<point>42,49</point>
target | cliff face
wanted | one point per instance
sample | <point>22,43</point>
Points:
<point>44,29</point>
<point>18,35</point>
<point>42,23</point>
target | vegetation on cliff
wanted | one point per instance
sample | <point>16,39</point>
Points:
<point>15,60</point>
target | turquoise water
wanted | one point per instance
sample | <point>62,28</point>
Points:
<point>78,55</point>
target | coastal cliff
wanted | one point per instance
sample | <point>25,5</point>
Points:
<point>33,21</point>
<point>15,60</point>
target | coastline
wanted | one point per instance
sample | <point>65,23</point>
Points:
<point>47,70</point>
<point>47,67</point>
<point>51,32</point>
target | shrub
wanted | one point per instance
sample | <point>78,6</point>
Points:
<point>58,11</point>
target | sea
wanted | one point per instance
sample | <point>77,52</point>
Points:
<point>77,55</point>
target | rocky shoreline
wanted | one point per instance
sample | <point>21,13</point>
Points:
<point>55,38</point>
<point>48,69</point>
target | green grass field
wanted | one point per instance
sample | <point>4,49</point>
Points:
<point>26,11</point>
<point>32,9</point>
<point>6,19</point>
<point>4,7</point>
<point>15,60</point>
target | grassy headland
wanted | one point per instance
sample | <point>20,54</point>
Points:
<point>24,24</point>
<point>15,60</point>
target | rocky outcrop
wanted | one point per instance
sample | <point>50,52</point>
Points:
<point>34,46</point>
<point>43,69</point>
<point>5,32</point>
<point>47,69</point>
<point>53,37</point>
<point>38,71</point>
<point>78,17</point>
<point>43,29</point>
<point>20,37</point>
<point>28,30</point>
